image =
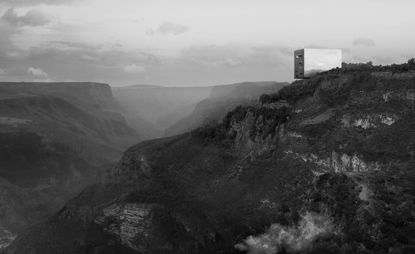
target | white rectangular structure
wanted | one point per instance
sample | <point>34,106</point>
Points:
<point>308,61</point>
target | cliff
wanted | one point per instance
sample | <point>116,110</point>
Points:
<point>323,166</point>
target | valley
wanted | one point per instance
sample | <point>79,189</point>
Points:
<point>58,138</point>
<point>323,165</point>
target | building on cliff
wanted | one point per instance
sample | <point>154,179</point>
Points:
<point>308,61</point>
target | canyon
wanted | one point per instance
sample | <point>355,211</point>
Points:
<point>329,154</point>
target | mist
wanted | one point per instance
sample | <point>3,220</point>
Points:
<point>291,239</point>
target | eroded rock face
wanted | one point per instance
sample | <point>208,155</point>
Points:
<point>337,163</point>
<point>130,223</point>
<point>370,121</point>
<point>346,163</point>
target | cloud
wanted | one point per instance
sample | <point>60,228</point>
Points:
<point>90,58</point>
<point>229,63</point>
<point>37,72</point>
<point>73,45</point>
<point>36,2</point>
<point>363,41</point>
<point>274,51</point>
<point>150,32</point>
<point>77,61</point>
<point>213,55</point>
<point>134,68</point>
<point>5,42</point>
<point>231,56</point>
<point>195,65</point>
<point>31,18</point>
<point>168,28</point>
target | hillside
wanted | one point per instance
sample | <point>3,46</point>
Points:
<point>221,100</point>
<point>325,165</point>
<point>55,139</point>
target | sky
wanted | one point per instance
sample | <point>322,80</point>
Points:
<point>193,42</point>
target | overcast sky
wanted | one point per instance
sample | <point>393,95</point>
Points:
<point>193,42</point>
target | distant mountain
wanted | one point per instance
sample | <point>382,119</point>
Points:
<point>221,100</point>
<point>151,109</point>
<point>55,139</point>
<point>324,165</point>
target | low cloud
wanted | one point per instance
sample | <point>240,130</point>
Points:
<point>290,239</point>
<point>134,68</point>
<point>364,41</point>
<point>37,73</point>
<point>168,28</point>
<point>31,18</point>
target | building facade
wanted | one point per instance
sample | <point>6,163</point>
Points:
<point>308,62</point>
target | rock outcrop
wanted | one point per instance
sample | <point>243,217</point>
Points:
<point>130,223</point>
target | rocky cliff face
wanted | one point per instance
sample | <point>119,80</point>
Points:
<point>130,223</point>
<point>323,166</point>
